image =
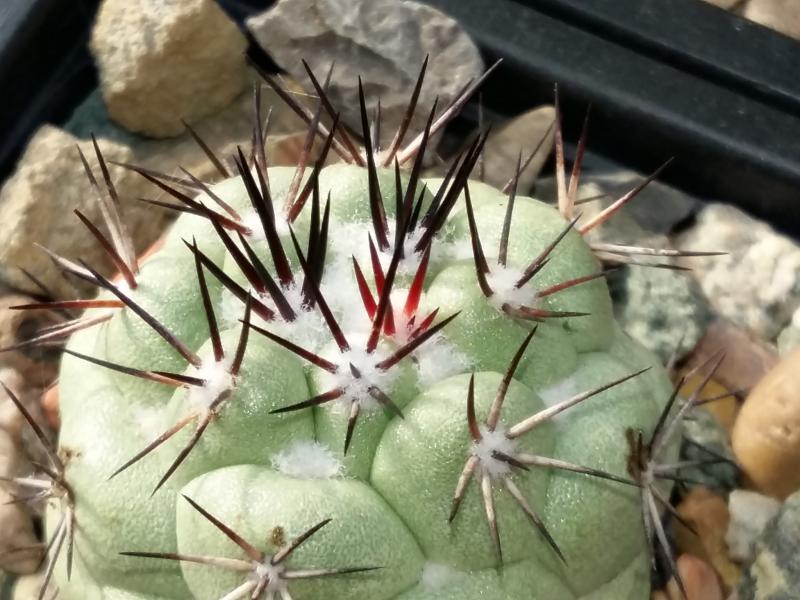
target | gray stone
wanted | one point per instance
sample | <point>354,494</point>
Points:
<point>160,62</point>
<point>383,41</point>
<point>652,214</point>
<point>660,308</point>
<point>91,117</point>
<point>757,284</point>
<point>750,513</point>
<point>789,338</point>
<point>705,439</point>
<point>774,574</point>
<point>748,358</point>
<point>656,209</point>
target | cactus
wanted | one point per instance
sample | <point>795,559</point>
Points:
<point>351,382</point>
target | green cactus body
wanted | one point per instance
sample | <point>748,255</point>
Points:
<point>271,476</point>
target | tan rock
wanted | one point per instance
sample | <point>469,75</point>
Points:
<point>520,134</point>
<point>707,513</point>
<point>766,437</point>
<point>747,358</point>
<point>16,524</point>
<point>36,205</point>
<point>723,403</point>
<point>699,579</point>
<point>222,132</point>
<point>725,4</point>
<point>285,150</point>
<point>781,15</point>
<point>50,406</point>
<point>160,62</point>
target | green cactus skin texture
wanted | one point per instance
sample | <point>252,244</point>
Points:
<point>266,501</point>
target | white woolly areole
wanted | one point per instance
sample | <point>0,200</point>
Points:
<point>438,576</point>
<point>339,285</point>
<point>648,476</point>
<point>150,422</point>
<point>273,574</point>
<point>231,309</point>
<point>460,250</point>
<point>558,391</point>
<point>357,388</point>
<point>345,240</point>
<point>502,280</point>
<point>282,221</point>
<point>350,239</point>
<point>218,381</point>
<point>491,442</point>
<point>411,259</point>
<point>438,359</point>
<point>305,459</point>
<point>308,330</point>
<point>252,221</point>
<point>340,290</point>
<point>398,298</point>
<point>123,287</point>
